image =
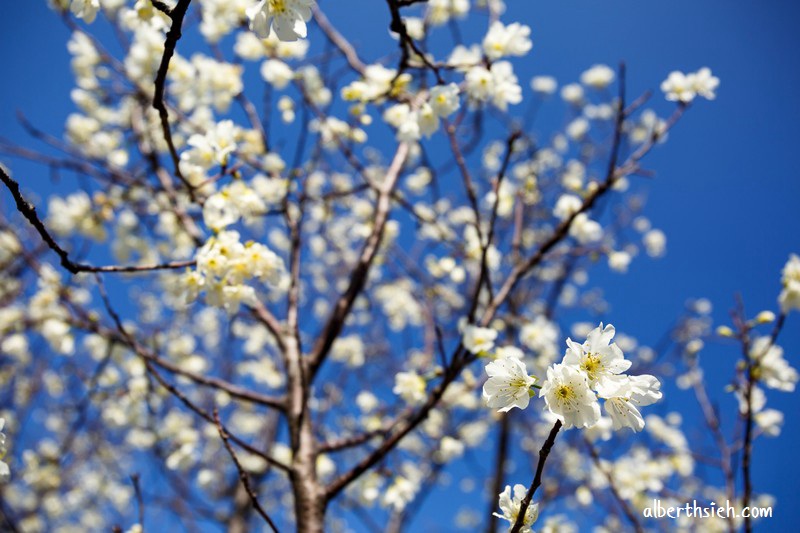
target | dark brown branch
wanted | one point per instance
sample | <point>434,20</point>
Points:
<point>614,174</point>
<point>137,489</point>
<point>172,389</point>
<point>242,473</point>
<point>161,6</point>
<point>29,212</point>
<point>499,470</point>
<point>406,42</point>
<point>360,273</point>
<point>537,479</point>
<point>173,35</point>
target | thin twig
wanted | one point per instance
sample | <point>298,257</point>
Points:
<point>242,473</point>
<point>28,210</point>
<point>537,478</point>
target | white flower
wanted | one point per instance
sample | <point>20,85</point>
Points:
<point>511,40</point>
<point>400,493</point>
<point>567,205</point>
<point>508,385</point>
<point>545,85</point>
<point>577,129</point>
<point>276,73</point>
<point>771,368</point>
<point>572,94</point>
<point>790,295</point>
<point>623,394</point>
<point>410,386</point>
<point>585,230</point>
<point>444,99</point>
<point>619,261</point>
<point>219,212</point>
<point>511,507</point>
<point>498,84</point>
<point>427,120</point>
<point>287,17</point>
<point>212,148</point>
<point>598,77</point>
<point>349,350</point>
<point>655,243</point>
<point>5,473</point>
<point>769,421</point>
<point>449,449</point>
<point>596,357</point>
<point>685,87</point>
<point>478,340</point>
<point>541,335</point>
<point>568,396</point>
<point>463,58</point>
<point>85,9</point>
<point>704,84</point>
<point>678,87</point>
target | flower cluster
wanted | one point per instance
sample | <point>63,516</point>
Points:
<point>225,265</point>
<point>594,370</point>
<point>588,371</point>
<point>684,88</point>
<point>412,124</point>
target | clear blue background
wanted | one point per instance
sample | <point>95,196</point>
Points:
<point>726,193</point>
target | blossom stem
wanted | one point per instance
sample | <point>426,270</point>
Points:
<point>537,479</point>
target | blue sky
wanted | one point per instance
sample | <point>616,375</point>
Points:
<point>726,192</point>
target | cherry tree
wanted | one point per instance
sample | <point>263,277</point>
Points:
<point>318,298</point>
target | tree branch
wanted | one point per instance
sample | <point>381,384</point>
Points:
<point>360,273</point>
<point>29,212</point>
<point>242,473</point>
<point>173,35</point>
<point>537,479</point>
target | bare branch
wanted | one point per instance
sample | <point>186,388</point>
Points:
<point>339,41</point>
<point>173,35</point>
<point>359,276</point>
<point>537,478</point>
<point>242,473</point>
<point>29,212</point>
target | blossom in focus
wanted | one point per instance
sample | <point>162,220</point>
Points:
<point>287,17</point>
<point>598,357</point>
<point>511,507</point>
<point>623,395</point>
<point>508,385</point>
<point>567,395</point>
